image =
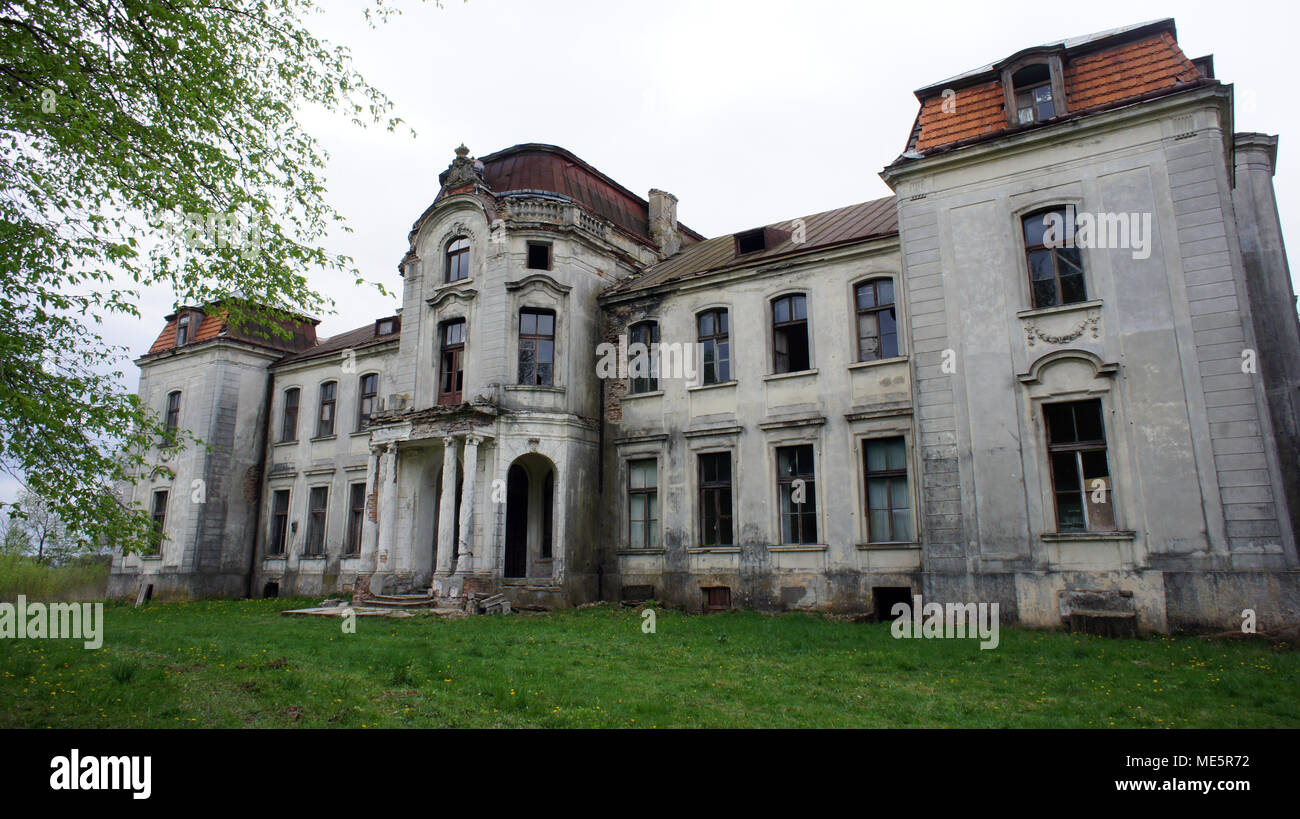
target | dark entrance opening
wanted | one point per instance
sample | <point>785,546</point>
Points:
<point>271,590</point>
<point>886,597</point>
<point>516,522</point>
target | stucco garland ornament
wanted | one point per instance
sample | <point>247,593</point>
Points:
<point>1090,323</point>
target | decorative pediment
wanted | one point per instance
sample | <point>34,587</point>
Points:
<point>542,281</point>
<point>1100,368</point>
<point>451,295</point>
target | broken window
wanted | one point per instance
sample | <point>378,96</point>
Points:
<point>356,513</point>
<point>643,503</point>
<point>1076,448</point>
<point>173,419</point>
<point>279,522</point>
<point>289,419</point>
<point>790,334</point>
<point>796,493</point>
<point>539,256</point>
<point>715,499</point>
<point>367,389</point>
<point>451,374</point>
<point>1033,93</point>
<point>877,320</point>
<point>159,521</point>
<point>1055,263</point>
<point>458,259</point>
<point>751,241</point>
<point>715,341</point>
<point>317,504</point>
<point>889,504</point>
<point>644,365</point>
<point>536,347</point>
<point>325,420</point>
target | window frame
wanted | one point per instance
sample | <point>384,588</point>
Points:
<point>457,351</point>
<point>858,311</point>
<point>1022,221</point>
<point>785,484</point>
<point>889,475</point>
<point>159,534</point>
<point>317,522</point>
<point>279,534</point>
<point>362,396</point>
<point>1079,448</point>
<point>720,336</point>
<point>356,519</point>
<point>534,340</point>
<point>285,405</point>
<point>1051,57</point>
<point>321,403</point>
<point>183,330</point>
<point>649,525</point>
<point>172,419</point>
<point>456,258</point>
<point>780,328</point>
<point>640,385</point>
<point>528,255</point>
<point>719,490</point>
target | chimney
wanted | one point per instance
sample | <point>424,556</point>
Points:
<point>663,222</point>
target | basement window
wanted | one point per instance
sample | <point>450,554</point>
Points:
<point>717,598</point>
<point>539,256</point>
<point>886,597</point>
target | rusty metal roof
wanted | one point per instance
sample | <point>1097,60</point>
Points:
<point>855,223</point>
<point>536,166</point>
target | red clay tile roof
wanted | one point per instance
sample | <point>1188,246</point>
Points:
<point>214,325</point>
<point>855,223</point>
<point>1102,71</point>
<point>539,167</point>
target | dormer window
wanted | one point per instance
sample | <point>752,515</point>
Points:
<point>751,241</point>
<point>385,327</point>
<point>1033,94</point>
<point>183,331</point>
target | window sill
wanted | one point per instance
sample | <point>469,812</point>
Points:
<point>713,386</point>
<point>311,557</point>
<point>640,552</point>
<point>717,550</point>
<point>532,388</point>
<point>281,556</point>
<point>294,442</point>
<point>1034,312</point>
<point>359,433</point>
<point>796,374</point>
<point>1071,537</point>
<point>652,394</point>
<point>889,545</point>
<point>350,556</point>
<point>799,547</point>
<point>150,557</point>
<point>323,438</point>
<point>879,362</point>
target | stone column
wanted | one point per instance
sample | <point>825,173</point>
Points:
<point>465,561</point>
<point>370,528</point>
<point>387,477</point>
<point>446,513</point>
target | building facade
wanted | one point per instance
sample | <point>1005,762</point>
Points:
<point>1062,361</point>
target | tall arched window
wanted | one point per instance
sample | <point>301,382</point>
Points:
<point>458,259</point>
<point>877,320</point>
<point>644,366</point>
<point>1054,260</point>
<point>325,418</point>
<point>715,339</point>
<point>289,421</point>
<point>173,419</point>
<point>367,389</point>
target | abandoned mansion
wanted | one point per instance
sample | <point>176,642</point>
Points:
<point>1060,363</point>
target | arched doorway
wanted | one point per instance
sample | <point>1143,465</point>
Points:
<point>530,517</point>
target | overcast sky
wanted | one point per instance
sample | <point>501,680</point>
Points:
<point>750,112</point>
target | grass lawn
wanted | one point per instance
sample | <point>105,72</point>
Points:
<point>240,663</point>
